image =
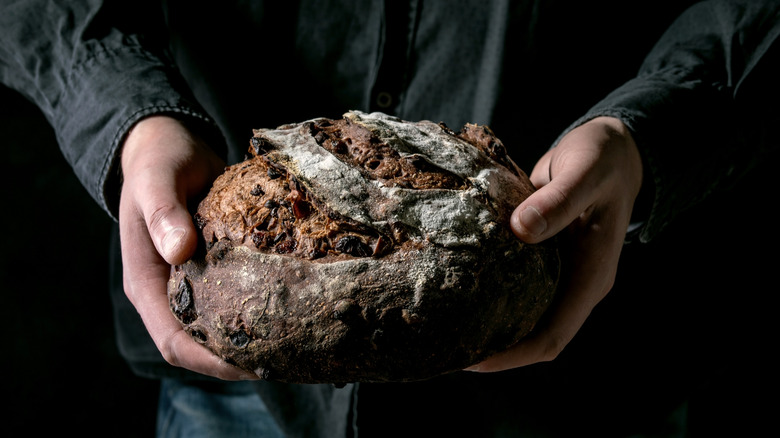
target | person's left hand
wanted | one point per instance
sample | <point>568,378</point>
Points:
<point>587,186</point>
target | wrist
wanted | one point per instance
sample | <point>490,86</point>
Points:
<point>144,137</point>
<point>620,136</point>
<point>640,179</point>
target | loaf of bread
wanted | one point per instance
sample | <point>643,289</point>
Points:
<point>366,248</point>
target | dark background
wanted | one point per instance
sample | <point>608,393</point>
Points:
<point>61,370</point>
<point>709,312</point>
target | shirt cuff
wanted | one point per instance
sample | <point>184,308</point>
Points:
<point>105,96</point>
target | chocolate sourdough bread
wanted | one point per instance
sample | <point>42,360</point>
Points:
<point>363,249</point>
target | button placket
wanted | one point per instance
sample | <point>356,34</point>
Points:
<point>392,75</point>
<point>383,100</point>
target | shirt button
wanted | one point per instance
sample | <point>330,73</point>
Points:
<point>384,99</point>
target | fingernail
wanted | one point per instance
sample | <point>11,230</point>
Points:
<point>248,376</point>
<point>473,368</point>
<point>262,373</point>
<point>532,220</point>
<point>172,241</point>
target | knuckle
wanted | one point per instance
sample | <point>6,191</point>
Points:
<point>609,284</point>
<point>158,215</point>
<point>560,199</point>
<point>169,348</point>
<point>553,347</point>
<point>169,355</point>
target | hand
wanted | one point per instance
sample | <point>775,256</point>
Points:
<point>587,185</point>
<point>164,165</point>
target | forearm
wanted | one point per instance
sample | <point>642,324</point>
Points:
<point>93,74</point>
<point>689,109</point>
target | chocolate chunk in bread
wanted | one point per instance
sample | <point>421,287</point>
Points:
<point>366,248</point>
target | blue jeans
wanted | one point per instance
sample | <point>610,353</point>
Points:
<point>213,409</point>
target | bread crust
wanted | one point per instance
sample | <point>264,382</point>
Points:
<point>364,249</point>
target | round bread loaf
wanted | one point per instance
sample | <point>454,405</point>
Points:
<point>366,248</point>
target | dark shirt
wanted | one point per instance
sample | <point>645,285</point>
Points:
<point>532,70</point>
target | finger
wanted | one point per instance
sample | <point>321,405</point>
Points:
<point>541,346</point>
<point>145,279</point>
<point>177,347</point>
<point>163,165</point>
<point>593,272</point>
<point>540,175</point>
<point>168,221</point>
<point>551,208</point>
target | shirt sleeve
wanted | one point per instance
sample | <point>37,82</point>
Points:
<point>692,107</point>
<point>94,70</point>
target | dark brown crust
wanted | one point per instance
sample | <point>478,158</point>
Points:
<point>291,287</point>
<point>379,325</point>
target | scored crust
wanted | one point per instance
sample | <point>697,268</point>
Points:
<point>366,248</point>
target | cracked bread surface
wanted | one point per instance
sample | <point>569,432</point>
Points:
<point>366,248</point>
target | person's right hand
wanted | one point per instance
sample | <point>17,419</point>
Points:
<point>164,165</point>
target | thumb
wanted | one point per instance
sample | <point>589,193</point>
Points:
<point>163,164</point>
<point>550,209</point>
<point>170,225</point>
